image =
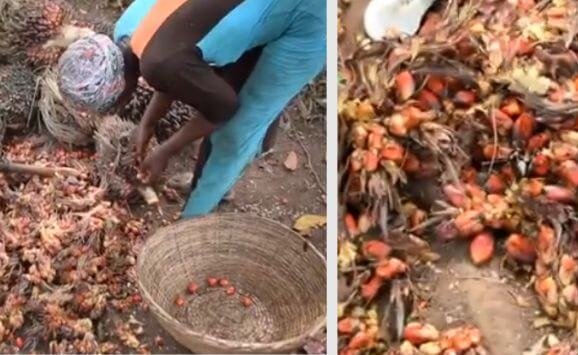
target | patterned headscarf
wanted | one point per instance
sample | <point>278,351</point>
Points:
<point>91,74</point>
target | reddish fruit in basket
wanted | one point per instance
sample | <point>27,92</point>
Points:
<point>179,301</point>
<point>212,281</point>
<point>404,85</point>
<point>192,288</point>
<point>246,301</point>
<point>224,282</point>
<point>230,291</point>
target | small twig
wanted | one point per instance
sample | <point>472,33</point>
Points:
<point>310,164</point>
<point>8,167</point>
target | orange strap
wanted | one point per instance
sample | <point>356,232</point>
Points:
<point>160,11</point>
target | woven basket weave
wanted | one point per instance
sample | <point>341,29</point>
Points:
<point>284,275</point>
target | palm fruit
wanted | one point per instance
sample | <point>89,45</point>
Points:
<point>60,122</point>
<point>178,115</point>
<point>115,165</point>
<point>25,23</point>
<point>17,93</point>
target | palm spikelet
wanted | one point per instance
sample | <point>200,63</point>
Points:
<point>116,166</point>
<point>24,23</point>
<point>178,115</point>
<point>17,93</point>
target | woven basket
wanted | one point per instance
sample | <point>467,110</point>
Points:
<point>284,275</point>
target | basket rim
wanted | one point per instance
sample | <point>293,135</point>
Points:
<point>317,326</point>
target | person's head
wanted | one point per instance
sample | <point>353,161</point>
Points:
<point>97,75</point>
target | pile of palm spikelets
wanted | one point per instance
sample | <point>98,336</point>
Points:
<point>481,106</point>
<point>67,259</point>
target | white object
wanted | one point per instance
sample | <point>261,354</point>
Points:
<point>383,16</point>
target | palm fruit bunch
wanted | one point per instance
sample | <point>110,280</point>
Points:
<point>17,92</point>
<point>483,110</point>
<point>62,124</point>
<point>178,115</point>
<point>115,164</point>
<point>25,23</point>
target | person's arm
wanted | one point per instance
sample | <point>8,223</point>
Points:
<point>156,109</point>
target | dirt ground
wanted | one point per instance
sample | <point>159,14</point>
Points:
<point>458,292</point>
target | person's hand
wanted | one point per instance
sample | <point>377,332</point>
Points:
<point>154,165</point>
<point>143,136</point>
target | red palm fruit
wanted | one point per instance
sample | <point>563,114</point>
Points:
<point>495,184</point>
<point>547,290</point>
<point>468,223</point>
<point>212,281</point>
<point>418,333</point>
<point>482,248</point>
<point>347,325</point>
<point>410,163</point>
<point>370,288</point>
<point>546,244</point>
<point>559,194</point>
<point>428,100</point>
<point>390,268</point>
<point>523,46</point>
<point>524,127</point>
<point>404,85</point>
<point>465,97</point>
<point>475,191</point>
<point>521,248</point>
<point>508,174</point>
<point>179,301</point>
<point>499,152</point>
<point>224,282</point>
<point>393,151</point>
<point>569,172</point>
<point>541,165</point>
<point>568,269</point>
<point>436,85</point>
<point>455,195</point>
<point>192,288</point>
<point>397,124</point>
<point>375,249</point>
<point>371,161</point>
<point>19,342</point>
<point>570,294</point>
<point>351,225</point>
<point>511,107</point>
<point>538,141</point>
<point>360,340</point>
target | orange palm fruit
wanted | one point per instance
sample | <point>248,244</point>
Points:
<point>547,290</point>
<point>546,244</point>
<point>347,325</point>
<point>365,111</point>
<point>465,97</point>
<point>482,248</point>
<point>511,107</point>
<point>495,184</point>
<point>455,195</point>
<point>418,333</point>
<point>541,165</point>
<point>504,123</point>
<point>351,225</point>
<point>370,288</point>
<point>390,268</point>
<point>533,187</point>
<point>499,152</point>
<point>397,124</point>
<point>436,85</point>
<point>393,151</point>
<point>370,161</point>
<point>568,269</point>
<point>524,127</point>
<point>428,100</point>
<point>524,47</point>
<point>360,340</point>
<point>521,248</point>
<point>212,281</point>
<point>375,249</point>
<point>404,85</point>
<point>559,194</point>
<point>468,223</point>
